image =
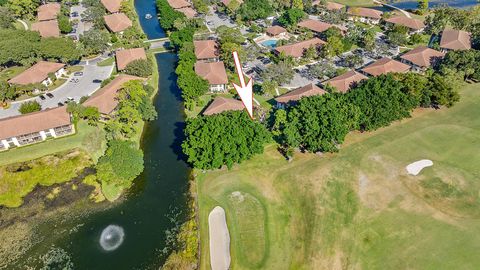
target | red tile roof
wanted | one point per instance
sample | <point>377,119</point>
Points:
<point>275,30</point>
<point>48,11</point>
<point>188,12</point>
<point>47,28</point>
<point>365,12</point>
<point>304,91</point>
<point>33,122</point>
<point>178,3</point>
<point>297,49</point>
<point>221,104</point>
<point>455,40</point>
<point>117,22</point>
<point>344,82</point>
<point>125,57</point>
<point>205,49</point>
<point>105,99</point>
<point>213,72</point>
<point>36,73</point>
<point>408,22</point>
<point>314,25</point>
<point>422,56</point>
<point>384,66</point>
<point>113,6</point>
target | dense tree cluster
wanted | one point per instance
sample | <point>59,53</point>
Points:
<point>320,123</point>
<point>252,10</point>
<point>88,113</point>
<point>291,17</point>
<point>122,162</point>
<point>140,68</point>
<point>465,63</point>
<point>167,15</point>
<point>20,47</point>
<point>134,105</point>
<point>223,139</point>
<point>94,41</point>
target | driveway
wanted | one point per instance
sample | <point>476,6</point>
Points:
<point>84,87</point>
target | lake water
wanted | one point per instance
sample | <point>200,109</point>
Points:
<point>433,3</point>
<point>133,232</point>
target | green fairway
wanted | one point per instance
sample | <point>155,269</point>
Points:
<point>358,209</point>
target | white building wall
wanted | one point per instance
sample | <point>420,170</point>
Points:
<point>43,135</point>
<point>52,131</point>
<point>5,144</point>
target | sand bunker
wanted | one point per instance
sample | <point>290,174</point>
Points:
<point>416,167</point>
<point>219,239</point>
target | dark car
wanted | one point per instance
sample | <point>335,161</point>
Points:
<point>97,81</point>
<point>266,61</point>
<point>74,14</point>
<point>42,97</point>
<point>250,71</point>
<point>50,95</point>
<point>60,104</point>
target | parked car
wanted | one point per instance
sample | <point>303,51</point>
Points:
<point>70,98</point>
<point>78,73</point>
<point>266,61</point>
<point>74,30</point>
<point>97,81</point>
<point>60,104</point>
<point>74,14</point>
<point>42,97</point>
<point>50,95</point>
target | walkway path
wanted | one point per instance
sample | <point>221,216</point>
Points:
<point>393,7</point>
<point>25,25</point>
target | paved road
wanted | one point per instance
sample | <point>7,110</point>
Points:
<point>84,87</point>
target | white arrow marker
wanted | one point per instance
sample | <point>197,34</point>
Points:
<point>244,90</point>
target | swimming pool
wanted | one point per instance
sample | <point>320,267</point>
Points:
<point>270,43</point>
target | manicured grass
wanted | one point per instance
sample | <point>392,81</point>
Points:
<point>358,208</point>
<point>20,179</point>
<point>10,72</point>
<point>71,69</point>
<point>91,139</point>
<point>107,62</point>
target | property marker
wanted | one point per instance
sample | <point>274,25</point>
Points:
<point>244,90</point>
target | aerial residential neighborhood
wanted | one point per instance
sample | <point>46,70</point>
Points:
<point>239,134</point>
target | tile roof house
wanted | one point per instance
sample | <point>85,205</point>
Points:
<point>415,26</point>
<point>105,99</point>
<point>297,49</point>
<point>318,26</point>
<point>38,73</point>
<point>334,6</point>
<point>214,73</point>
<point>117,22</point>
<point>384,66</point>
<point>222,104</point>
<point>34,127</point>
<point>113,6</point>
<point>365,15</point>
<point>47,28</point>
<point>276,31</point>
<point>188,12</point>
<point>421,57</point>
<point>178,3</point>
<point>296,94</point>
<point>344,82</point>
<point>125,57</point>
<point>48,11</point>
<point>456,40</point>
<point>206,50</point>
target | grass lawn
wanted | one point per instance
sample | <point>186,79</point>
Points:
<point>10,72</point>
<point>358,208</point>
<point>107,62</point>
<point>91,139</point>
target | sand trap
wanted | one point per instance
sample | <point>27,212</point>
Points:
<point>219,239</point>
<point>416,167</point>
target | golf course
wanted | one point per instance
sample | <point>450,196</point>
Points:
<point>358,208</point>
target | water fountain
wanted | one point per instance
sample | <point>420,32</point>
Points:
<point>112,237</point>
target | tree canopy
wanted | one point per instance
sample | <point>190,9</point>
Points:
<point>223,139</point>
<point>252,10</point>
<point>139,67</point>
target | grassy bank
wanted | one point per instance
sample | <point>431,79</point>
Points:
<point>358,209</point>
